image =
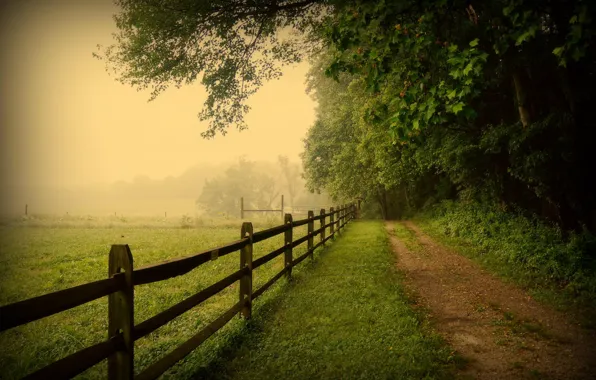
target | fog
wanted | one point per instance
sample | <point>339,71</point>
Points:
<point>75,140</point>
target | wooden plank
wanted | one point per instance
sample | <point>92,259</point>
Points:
<point>322,221</point>
<point>342,226</point>
<point>162,365</point>
<point>311,227</point>
<point>299,223</point>
<point>180,266</point>
<point>331,222</point>
<point>268,257</point>
<point>282,207</point>
<point>288,244</point>
<point>300,241</point>
<point>266,286</point>
<point>317,231</point>
<point>72,365</point>
<point>32,309</point>
<point>246,265</point>
<point>269,233</point>
<point>121,315</point>
<point>149,325</point>
<point>301,258</point>
<point>317,245</point>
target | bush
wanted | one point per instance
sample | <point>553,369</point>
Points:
<point>186,221</point>
<point>528,244</point>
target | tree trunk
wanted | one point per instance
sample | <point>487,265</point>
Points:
<point>521,97</point>
<point>382,197</point>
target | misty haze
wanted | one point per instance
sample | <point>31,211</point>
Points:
<point>297,189</point>
<point>76,141</point>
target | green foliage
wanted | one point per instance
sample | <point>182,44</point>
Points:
<point>536,250</point>
<point>231,46</point>
<point>457,100</point>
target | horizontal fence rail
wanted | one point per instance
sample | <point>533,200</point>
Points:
<point>36,308</point>
<point>119,287</point>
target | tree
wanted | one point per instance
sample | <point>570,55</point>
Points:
<point>476,97</point>
<point>480,100</point>
<point>222,194</point>
<point>233,44</point>
<point>291,175</point>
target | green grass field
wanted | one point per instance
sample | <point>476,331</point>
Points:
<point>42,255</point>
<point>347,317</point>
<point>344,315</point>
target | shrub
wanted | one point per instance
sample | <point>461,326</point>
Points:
<point>524,243</point>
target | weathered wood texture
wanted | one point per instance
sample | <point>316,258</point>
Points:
<point>246,265</point>
<point>322,220</point>
<point>288,244</point>
<point>331,219</point>
<point>121,314</point>
<point>311,227</point>
<point>22,312</point>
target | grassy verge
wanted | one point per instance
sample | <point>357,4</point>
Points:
<point>345,317</point>
<point>556,270</point>
<point>408,237</point>
<point>38,259</point>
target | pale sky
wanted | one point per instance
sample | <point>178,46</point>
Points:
<point>66,122</point>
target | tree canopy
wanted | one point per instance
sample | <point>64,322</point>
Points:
<point>487,100</point>
<point>232,46</point>
<point>429,99</point>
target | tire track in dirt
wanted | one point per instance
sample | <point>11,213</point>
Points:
<point>501,331</point>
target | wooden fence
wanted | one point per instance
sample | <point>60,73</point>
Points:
<point>243,210</point>
<point>119,287</point>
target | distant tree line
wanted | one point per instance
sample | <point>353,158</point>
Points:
<point>260,184</point>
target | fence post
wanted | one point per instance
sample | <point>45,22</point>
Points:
<point>311,228</point>
<point>339,218</point>
<point>322,224</point>
<point>246,262</point>
<point>288,243</point>
<point>241,207</point>
<point>282,207</point>
<point>332,218</point>
<point>121,314</point>
<point>346,212</point>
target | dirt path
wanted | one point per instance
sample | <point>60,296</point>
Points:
<point>495,326</point>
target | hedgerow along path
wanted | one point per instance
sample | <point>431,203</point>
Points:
<point>345,317</point>
<point>497,327</point>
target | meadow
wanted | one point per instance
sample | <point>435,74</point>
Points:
<point>42,254</point>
